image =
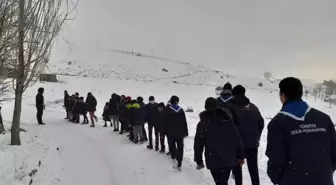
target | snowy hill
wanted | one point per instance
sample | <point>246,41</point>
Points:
<point>78,155</point>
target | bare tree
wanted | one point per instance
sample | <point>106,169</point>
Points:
<point>267,75</point>
<point>39,23</point>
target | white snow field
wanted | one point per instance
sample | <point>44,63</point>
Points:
<point>70,154</point>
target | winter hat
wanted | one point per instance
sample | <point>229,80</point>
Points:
<point>81,98</point>
<point>238,90</point>
<point>210,103</point>
<point>77,94</point>
<point>174,100</point>
<point>227,86</point>
<point>128,98</point>
<point>40,90</point>
<point>151,98</point>
<point>140,99</point>
<point>292,88</point>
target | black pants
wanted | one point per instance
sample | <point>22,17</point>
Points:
<point>221,176</point>
<point>252,164</point>
<point>162,141</point>
<point>150,135</point>
<point>144,133</point>
<point>39,115</point>
<point>176,148</point>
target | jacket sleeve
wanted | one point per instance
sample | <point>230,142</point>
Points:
<point>332,144</point>
<point>240,147</point>
<point>261,124</point>
<point>186,132</point>
<point>199,144</point>
<point>275,151</point>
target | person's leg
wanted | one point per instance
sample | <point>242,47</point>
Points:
<point>150,135</point>
<point>238,174</point>
<point>135,134</point>
<point>141,136</point>
<point>117,121</point>
<point>156,139</point>
<point>252,164</point>
<point>162,142</point>
<point>39,115</point>
<point>180,149</point>
<point>220,176</point>
<point>92,119</point>
<point>144,133</point>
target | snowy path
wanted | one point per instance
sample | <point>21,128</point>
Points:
<point>89,156</point>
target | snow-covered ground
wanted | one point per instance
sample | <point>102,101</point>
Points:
<point>68,154</point>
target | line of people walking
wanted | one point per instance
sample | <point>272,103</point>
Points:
<point>301,141</point>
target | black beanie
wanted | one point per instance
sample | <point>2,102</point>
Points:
<point>140,99</point>
<point>238,90</point>
<point>227,86</point>
<point>151,98</point>
<point>210,103</point>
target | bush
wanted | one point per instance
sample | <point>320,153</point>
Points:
<point>260,84</point>
<point>165,70</point>
<point>190,109</point>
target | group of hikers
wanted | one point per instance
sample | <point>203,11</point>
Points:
<point>301,141</point>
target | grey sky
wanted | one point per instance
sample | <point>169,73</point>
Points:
<point>286,37</point>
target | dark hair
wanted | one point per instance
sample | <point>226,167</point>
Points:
<point>227,86</point>
<point>140,99</point>
<point>238,90</point>
<point>40,90</point>
<point>161,104</point>
<point>151,98</point>
<point>81,98</point>
<point>210,103</point>
<point>77,94</point>
<point>174,100</point>
<point>292,88</point>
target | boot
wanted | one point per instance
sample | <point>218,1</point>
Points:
<point>162,151</point>
<point>105,125</point>
<point>92,125</point>
<point>150,147</point>
<point>157,148</point>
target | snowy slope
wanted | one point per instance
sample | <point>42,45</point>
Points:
<point>87,156</point>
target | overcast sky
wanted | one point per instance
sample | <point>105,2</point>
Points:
<point>286,37</point>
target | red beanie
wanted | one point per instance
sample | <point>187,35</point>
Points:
<point>128,98</point>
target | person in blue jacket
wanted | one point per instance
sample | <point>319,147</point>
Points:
<point>301,141</point>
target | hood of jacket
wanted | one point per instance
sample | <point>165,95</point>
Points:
<point>225,96</point>
<point>241,100</point>
<point>295,109</point>
<point>175,107</point>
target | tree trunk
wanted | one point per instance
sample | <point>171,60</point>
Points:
<point>15,137</point>
<point>20,79</point>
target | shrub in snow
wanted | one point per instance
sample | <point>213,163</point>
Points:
<point>48,78</point>
<point>69,63</point>
<point>190,109</point>
<point>165,70</point>
<point>260,84</point>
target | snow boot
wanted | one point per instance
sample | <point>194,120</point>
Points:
<point>105,125</point>
<point>92,125</point>
<point>157,149</point>
<point>179,168</point>
<point>168,153</point>
<point>150,147</point>
<point>162,151</point>
<point>175,164</point>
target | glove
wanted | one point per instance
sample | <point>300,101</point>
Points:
<point>200,166</point>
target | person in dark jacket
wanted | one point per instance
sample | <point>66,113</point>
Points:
<point>160,126</point>
<point>143,108</point>
<point>113,111</point>
<point>176,129</point>
<point>152,112</point>
<point>2,128</point>
<point>106,116</point>
<point>91,103</point>
<point>76,110</point>
<point>40,105</point>
<point>83,110</point>
<point>137,121</point>
<point>66,102</point>
<point>71,104</point>
<point>218,134</point>
<point>122,119</point>
<point>301,141</point>
<point>251,125</point>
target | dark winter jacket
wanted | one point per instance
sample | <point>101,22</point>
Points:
<point>143,110</point>
<point>72,102</point>
<point>66,100</point>
<point>301,146</point>
<point>224,101</point>
<point>136,114</point>
<point>251,123</point>
<point>91,103</point>
<point>106,115</point>
<point>175,122</point>
<point>152,113</point>
<point>217,133</point>
<point>39,101</point>
<point>159,126</point>
<point>78,106</point>
<point>113,108</point>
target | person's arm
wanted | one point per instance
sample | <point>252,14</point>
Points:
<point>332,136</point>
<point>185,124</point>
<point>275,151</point>
<point>199,144</point>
